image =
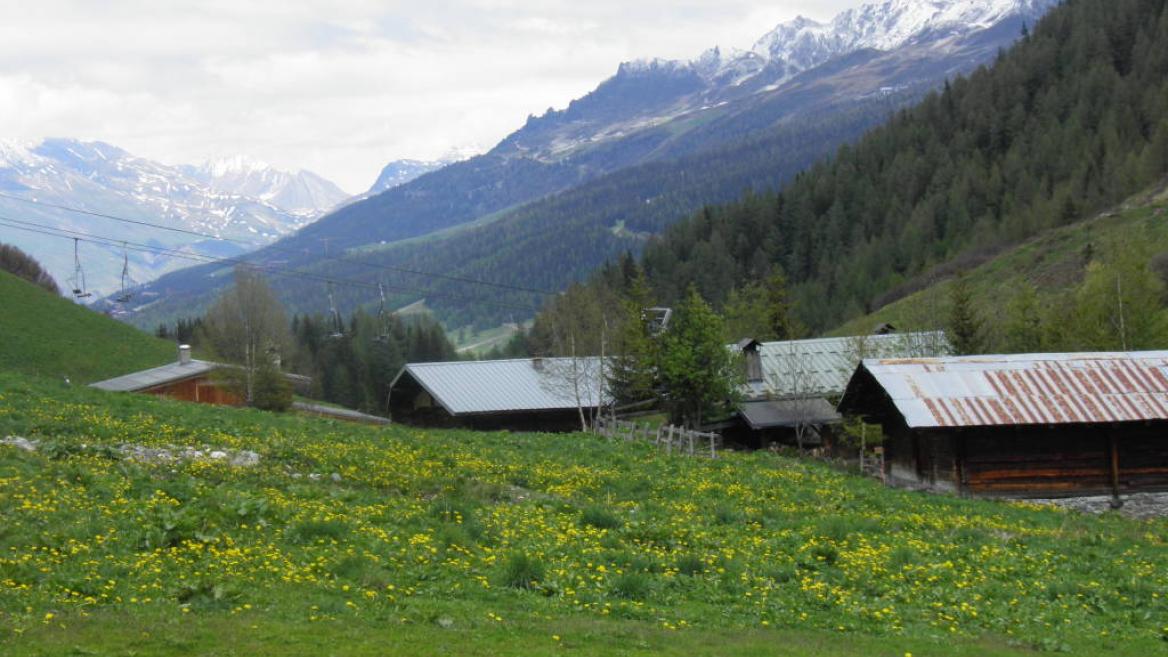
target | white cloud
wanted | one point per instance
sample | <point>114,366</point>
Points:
<point>338,87</point>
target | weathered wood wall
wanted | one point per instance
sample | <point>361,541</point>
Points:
<point>1030,461</point>
<point>198,389</point>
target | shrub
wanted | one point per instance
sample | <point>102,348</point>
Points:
<point>901,557</point>
<point>522,571</point>
<point>632,586</point>
<point>600,518</point>
<point>690,564</point>
<point>727,514</point>
<point>311,531</point>
<point>270,390</point>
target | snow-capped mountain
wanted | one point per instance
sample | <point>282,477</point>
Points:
<point>802,43</point>
<point>300,192</point>
<point>104,179</point>
<point>400,172</point>
<point>647,93</point>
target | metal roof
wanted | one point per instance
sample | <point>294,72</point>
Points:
<point>157,376</point>
<point>499,386</point>
<point>822,366</point>
<point>1024,389</point>
<point>788,412</point>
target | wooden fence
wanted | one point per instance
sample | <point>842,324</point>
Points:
<point>671,439</point>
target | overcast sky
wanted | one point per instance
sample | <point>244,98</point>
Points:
<point>339,87</point>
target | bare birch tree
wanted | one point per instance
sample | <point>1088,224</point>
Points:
<point>247,325</point>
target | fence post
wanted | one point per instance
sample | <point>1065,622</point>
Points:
<point>691,437</point>
<point>669,441</point>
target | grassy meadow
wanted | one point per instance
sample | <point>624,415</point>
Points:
<point>50,336</point>
<point>351,540</point>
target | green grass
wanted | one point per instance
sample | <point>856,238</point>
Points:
<point>253,634</point>
<point>46,335</point>
<point>1052,262</point>
<point>429,542</point>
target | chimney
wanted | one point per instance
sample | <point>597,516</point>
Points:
<point>184,354</point>
<point>537,364</point>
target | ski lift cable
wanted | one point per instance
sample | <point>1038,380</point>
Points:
<point>208,259</point>
<point>366,263</point>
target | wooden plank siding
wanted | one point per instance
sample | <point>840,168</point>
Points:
<point>1030,461</point>
<point>201,389</point>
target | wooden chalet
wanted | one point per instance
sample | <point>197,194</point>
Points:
<point>1034,425</point>
<point>526,394</point>
<point>788,384</point>
<point>187,379</point>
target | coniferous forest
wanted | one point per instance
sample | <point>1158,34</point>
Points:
<point>1070,121</point>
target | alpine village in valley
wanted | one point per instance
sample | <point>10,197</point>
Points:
<point>845,337</point>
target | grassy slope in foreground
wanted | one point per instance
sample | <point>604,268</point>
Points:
<point>47,335</point>
<point>1052,262</point>
<point>447,542</point>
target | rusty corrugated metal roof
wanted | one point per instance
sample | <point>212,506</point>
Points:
<point>1026,389</point>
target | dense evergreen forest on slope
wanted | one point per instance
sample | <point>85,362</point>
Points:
<point>1062,290</point>
<point>1071,120</point>
<point>554,241</point>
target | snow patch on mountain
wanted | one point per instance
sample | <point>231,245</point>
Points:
<point>302,193</point>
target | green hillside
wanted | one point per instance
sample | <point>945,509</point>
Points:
<point>348,540</point>
<point>1052,264</point>
<point>50,336</point>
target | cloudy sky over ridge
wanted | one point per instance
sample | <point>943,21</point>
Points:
<point>335,86</point>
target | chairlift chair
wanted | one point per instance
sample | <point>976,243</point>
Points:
<point>128,283</point>
<point>77,282</point>
<point>338,326</point>
<point>382,316</point>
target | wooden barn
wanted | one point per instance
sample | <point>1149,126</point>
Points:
<point>1033,425</point>
<point>527,394</point>
<point>786,385</point>
<point>187,379</point>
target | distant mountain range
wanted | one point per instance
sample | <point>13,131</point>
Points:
<point>302,193</point>
<point>400,172</point>
<point>245,201</point>
<point>647,147</point>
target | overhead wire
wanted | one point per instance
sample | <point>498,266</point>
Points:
<point>203,258</point>
<point>366,263</point>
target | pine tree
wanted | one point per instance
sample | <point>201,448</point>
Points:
<point>1023,326</point>
<point>271,390</point>
<point>631,373</point>
<point>698,373</point>
<point>965,327</point>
